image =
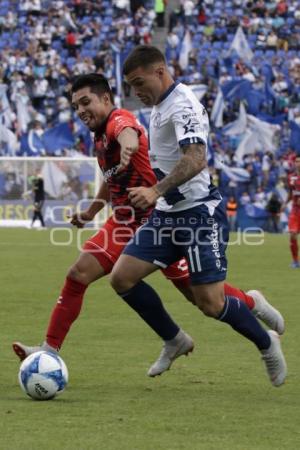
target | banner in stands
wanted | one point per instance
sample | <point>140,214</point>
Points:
<point>19,212</point>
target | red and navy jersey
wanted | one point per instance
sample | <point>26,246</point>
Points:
<point>137,173</point>
<point>294,185</point>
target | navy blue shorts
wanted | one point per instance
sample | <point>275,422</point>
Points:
<point>195,234</point>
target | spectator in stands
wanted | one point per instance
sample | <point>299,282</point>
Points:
<point>260,198</point>
<point>274,208</point>
<point>245,199</point>
<point>231,210</point>
<point>188,7</point>
<point>38,199</point>
<point>160,9</point>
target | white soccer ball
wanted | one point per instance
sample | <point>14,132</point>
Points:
<point>42,375</point>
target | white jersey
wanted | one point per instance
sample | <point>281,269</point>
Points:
<point>179,119</point>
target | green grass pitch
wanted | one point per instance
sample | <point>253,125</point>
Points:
<point>217,399</point>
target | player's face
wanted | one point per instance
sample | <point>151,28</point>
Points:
<point>297,164</point>
<point>91,108</point>
<point>147,84</point>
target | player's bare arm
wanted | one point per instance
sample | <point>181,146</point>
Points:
<point>129,141</point>
<point>191,163</point>
<point>79,219</point>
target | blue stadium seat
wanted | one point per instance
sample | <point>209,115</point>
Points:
<point>258,52</point>
<point>270,53</point>
<point>107,20</point>
<point>290,21</point>
<point>70,61</point>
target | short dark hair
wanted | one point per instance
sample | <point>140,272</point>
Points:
<point>142,56</point>
<point>95,81</point>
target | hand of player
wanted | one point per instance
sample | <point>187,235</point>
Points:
<point>143,197</point>
<point>80,219</point>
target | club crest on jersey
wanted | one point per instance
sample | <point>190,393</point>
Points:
<point>157,120</point>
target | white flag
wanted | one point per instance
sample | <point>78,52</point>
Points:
<point>6,113</point>
<point>248,145</point>
<point>186,47</point>
<point>237,174</point>
<point>23,115</point>
<point>239,125</point>
<point>199,90</point>
<point>217,110</point>
<point>241,45</point>
<point>10,139</point>
<point>54,178</point>
<point>266,132</point>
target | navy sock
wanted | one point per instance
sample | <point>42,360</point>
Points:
<point>236,314</point>
<point>145,301</point>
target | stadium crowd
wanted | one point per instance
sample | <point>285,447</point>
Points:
<point>45,43</point>
<point>245,54</point>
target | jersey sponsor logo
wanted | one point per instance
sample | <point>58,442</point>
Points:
<point>107,174</point>
<point>189,115</point>
<point>188,112</point>
<point>182,265</point>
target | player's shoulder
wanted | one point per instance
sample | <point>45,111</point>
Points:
<point>119,119</point>
<point>119,114</point>
<point>184,97</point>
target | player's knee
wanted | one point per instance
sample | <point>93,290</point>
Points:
<point>76,273</point>
<point>211,306</point>
<point>120,282</point>
<point>185,289</point>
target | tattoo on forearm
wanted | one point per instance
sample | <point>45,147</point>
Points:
<point>191,163</point>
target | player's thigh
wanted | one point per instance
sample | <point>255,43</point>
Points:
<point>128,271</point>
<point>294,224</point>
<point>153,242</point>
<point>108,243</point>
<point>205,242</point>
<point>178,274</point>
<point>209,297</point>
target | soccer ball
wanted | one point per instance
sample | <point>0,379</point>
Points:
<point>42,375</point>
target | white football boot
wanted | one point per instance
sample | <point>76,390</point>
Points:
<point>182,344</point>
<point>274,360</point>
<point>266,312</point>
<point>22,351</point>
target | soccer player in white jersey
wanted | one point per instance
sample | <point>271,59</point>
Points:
<point>189,218</point>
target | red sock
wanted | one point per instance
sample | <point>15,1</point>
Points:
<point>294,249</point>
<point>65,312</point>
<point>238,293</point>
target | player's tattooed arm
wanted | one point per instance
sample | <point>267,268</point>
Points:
<point>192,162</point>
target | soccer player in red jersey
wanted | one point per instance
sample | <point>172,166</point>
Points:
<point>122,151</point>
<point>294,217</point>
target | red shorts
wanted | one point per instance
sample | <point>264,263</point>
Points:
<point>294,222</point>
<point>108,243</point>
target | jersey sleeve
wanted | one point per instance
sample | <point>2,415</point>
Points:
<point>119,121</point>
<point>190,122</point>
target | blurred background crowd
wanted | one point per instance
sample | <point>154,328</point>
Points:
<point>242,58</point>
